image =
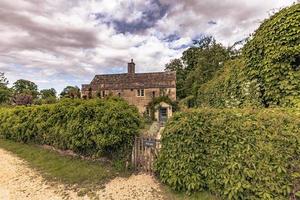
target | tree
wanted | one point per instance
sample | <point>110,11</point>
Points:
<point>25,87</point>
<point>70,92</point>
<point>3,80</point>
<point>47,96</point>
<point>177,66</point>
<point>198,65</point>
<point>202,61</point>
<point>5,92</point>
<point>48,93</point>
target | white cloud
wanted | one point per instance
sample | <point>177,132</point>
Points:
<point>60,42</point>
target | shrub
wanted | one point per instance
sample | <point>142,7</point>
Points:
<point>273,58</point>
<point>235,153</point>
<point>94,127</point>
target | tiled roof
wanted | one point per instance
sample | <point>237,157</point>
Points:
<point>132,81</point>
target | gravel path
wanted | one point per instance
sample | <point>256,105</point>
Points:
<point>19,182</point>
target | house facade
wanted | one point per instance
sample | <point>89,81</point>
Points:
<point>138,89</point>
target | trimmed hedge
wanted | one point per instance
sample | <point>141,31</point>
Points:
<point>95,127</point>
<point>234,153</point>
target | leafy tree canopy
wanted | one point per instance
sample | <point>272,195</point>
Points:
<point>70,92</point>
<point>198,65</point>
<point>5,92</point>
<point>177,65</point>
<point>3,80</point>
<point>25,87</point>
<point>48,93</point>
<point>202,61</point>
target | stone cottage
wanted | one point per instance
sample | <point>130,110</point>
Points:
<point>137,88</point>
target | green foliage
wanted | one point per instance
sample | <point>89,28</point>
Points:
<point>177,66</point>
<point>3,80</point>
<point>198,65</point>
<point>234,153</point>
<point>25,87</point>
<point>95,127</point>
<point>62,168</point>
<point>157,100</point>
<point>47,96</point>
<point>202,61</point>
<point>49,100</point>
<point>230,88</point>
<point>5,92</point>
<point>273,58</point>
<point>48,93</point>
<point>70,92</point>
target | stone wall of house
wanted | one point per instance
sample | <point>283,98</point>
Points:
<point>126,85</point>
<point>131,95</point>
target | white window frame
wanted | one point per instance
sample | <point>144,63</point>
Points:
<point>140,92</point>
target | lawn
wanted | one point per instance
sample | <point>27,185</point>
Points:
<point>64,169</point>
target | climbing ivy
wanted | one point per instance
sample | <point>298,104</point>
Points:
<point>230,88</point>
<point>157,100</point>
<point>273,58</point>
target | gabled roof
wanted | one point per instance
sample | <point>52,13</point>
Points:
<point>132,81</point>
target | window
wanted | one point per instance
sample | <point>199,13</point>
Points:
<point>140,93</point>
<point>153,94</point>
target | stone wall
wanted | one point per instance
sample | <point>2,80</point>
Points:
<point>131,95</point>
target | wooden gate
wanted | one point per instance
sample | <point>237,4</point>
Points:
<point>145,151</point>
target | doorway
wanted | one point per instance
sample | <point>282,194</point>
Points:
<point>163,115</point>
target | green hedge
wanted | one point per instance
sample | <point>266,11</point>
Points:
<point>230,88</point>
<point>234,153</point>
<point>273,58</point>
<point>95,127</point>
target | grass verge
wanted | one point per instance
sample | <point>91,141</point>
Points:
<point>64,169</point>
<point>173,195</point>
<point>86,175</point>
<point>194,196</point>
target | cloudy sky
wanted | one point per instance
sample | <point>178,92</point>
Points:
<point>55,43</point>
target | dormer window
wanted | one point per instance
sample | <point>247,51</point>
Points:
<point>140,93</point>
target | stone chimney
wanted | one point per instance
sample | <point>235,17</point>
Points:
<point>131,67</point>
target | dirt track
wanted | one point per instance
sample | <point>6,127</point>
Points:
<point>19,182</point>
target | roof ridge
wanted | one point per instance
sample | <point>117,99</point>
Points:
<point>166,72</point>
